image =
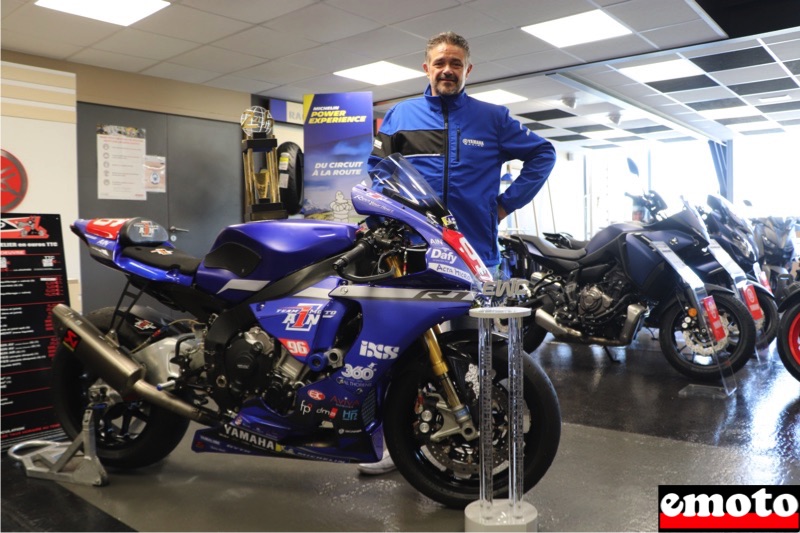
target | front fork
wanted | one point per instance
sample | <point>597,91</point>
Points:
<point>439,365</point>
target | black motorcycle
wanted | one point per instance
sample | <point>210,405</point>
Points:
<point>775,250</point>
<point>734,234</point>
<point>626,276</point>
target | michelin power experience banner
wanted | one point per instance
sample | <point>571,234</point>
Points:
<point>338,140</point>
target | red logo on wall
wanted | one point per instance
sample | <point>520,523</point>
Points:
<point>14,181</point>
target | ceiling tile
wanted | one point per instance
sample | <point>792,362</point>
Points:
<point>677,139</point>
<point>321,22</point>
<point>643,15</point>
<point>539,61</point>
<point>265,42</point>
<point>708,93</point>
<point>278,73</point>
<point>548,114</point>
<point>794,67</point>
<point>787,50</point>
<point>648,129</point>
<point>708,105</point>
<point>183,22</point>
<point>325,59</point>
<point>741,120</point>
<point>463,20</point>
<point>731,60</point>
<point>749,74</point>
<point>504,44</point>
<point>589,129</point>
<point>244,85</point>
<point>173,71</point>
<point>285,92</point>
<point>765,86</point>
<point>524,12</point>
<point>144,44</point>
<point>600,146</point>
<point>685,34</point>
<point>778,108</point>
<point>788,95</point>
<point>625,45</point>
<point>567,138</point>
<point>792,122</point>
<point>537,126</point>
<point>392,11</point>
<point>626,138</point>
<point>100,58</point>
<point>252,11</point>
<point>216,60</point>
<point>384,43</point>
<point>683,84</point>
<point>28,43</point>
<point>762,132</point>
<point>331,84</point>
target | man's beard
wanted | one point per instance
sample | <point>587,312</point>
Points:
<point>454,87</point>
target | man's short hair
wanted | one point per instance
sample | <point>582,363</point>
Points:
<point>447,37</point>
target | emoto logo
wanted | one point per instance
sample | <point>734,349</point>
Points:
<point>728,508</point>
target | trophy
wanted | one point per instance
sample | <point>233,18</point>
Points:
<point>261,188</point>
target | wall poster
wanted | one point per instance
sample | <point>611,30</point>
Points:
<point>338,140</point>
<point>121,154</point>
<point>34,280</point>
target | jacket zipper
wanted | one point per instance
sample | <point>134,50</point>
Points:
<point>458,145</point>
<point>446,176</point>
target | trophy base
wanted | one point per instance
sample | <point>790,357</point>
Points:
<point>266,211</point>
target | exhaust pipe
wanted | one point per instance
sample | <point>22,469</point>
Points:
<point>94,350</point>
<point>634,316</point>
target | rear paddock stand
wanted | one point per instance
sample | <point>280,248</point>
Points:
<point>54,460</point>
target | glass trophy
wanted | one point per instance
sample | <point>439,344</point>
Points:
<point>261,187</point>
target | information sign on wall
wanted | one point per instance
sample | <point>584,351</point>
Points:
<point>338,140</point>
<point>34,280</point>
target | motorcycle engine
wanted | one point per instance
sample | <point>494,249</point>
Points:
<point>593,307</point>
<point>257,365</point>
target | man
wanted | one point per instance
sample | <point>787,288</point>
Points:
<point>459,145</point>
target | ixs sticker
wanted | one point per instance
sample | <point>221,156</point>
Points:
<point>728,508</point>
<point>378,351</point>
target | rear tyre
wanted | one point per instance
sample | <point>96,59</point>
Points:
<point>789,340</point>
<point>290,158</point>
<point>448,471</point>
<point>692,356</point>
<point>129,434</point>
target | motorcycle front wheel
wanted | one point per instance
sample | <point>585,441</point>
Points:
<point>769,329</point>
<point>447,471</point>
<point>130,433</point>
<point>789,340</point>
<point>692,355</point>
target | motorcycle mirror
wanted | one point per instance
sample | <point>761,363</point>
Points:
<point>632,167</point>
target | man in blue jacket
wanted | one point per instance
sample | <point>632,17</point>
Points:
<point>459,145</point>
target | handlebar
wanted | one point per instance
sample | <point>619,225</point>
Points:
<point>349,257</point>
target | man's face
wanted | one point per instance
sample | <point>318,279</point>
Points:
<point>447,69</point>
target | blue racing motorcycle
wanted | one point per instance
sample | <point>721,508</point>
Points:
<point>301,339</point>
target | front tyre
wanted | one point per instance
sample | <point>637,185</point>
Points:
<point>769,329</point>
<point>789,340</point>
<point>131,433</point>
<point>447,471</point>
<point>692,355</point>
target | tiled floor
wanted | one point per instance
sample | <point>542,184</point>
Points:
<point>627,429</point>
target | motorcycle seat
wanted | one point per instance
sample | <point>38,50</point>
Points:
<point>551,250</point>
<point>163,258</point>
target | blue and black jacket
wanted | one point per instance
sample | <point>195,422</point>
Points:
<point>459,145</point>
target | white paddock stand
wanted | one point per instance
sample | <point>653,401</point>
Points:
<point>512,514</point>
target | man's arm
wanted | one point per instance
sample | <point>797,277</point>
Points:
<point>538,157</point>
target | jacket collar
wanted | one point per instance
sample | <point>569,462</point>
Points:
<point>453,102</point>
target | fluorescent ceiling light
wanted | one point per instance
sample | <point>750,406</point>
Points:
<point>498,96</point>
<point>729,112</point>
<point>665,70</point>
<point>380,73</point>
<point>122,12</point>
<point>578,29</point>
<point>773,99</point>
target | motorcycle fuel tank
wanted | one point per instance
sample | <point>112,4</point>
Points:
<point>247,257</point>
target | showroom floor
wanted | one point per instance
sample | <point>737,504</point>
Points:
<point>627,428</point>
